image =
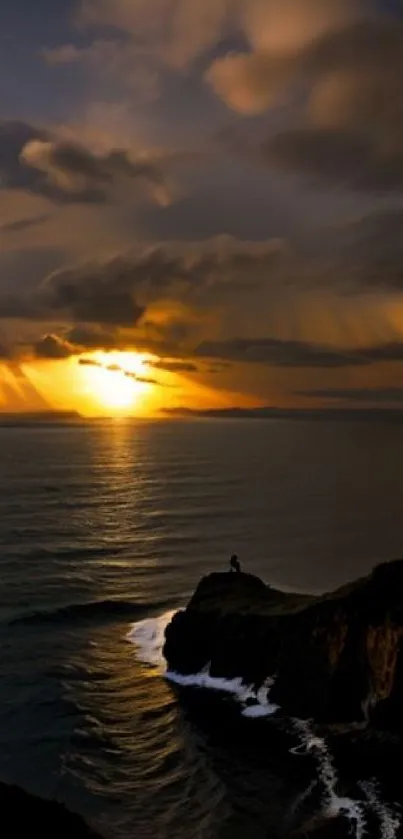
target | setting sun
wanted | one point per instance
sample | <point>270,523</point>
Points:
<point>113,389</point>
<point>116,380</point>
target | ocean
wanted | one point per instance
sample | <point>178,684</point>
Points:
<point>106,528</point>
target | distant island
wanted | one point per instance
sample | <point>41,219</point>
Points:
<point>275,413</point>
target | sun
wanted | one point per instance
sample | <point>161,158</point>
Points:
<point>116,381</point>
<point>113,389</point>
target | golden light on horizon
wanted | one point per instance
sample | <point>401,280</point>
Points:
<point>111,380</point>
<point>113,390</point>
<point>109,384</point>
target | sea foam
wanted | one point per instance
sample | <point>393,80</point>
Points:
<point>332,803</point>
<point>148,636</point>
<point>254,703</point>
<point>389,816</point>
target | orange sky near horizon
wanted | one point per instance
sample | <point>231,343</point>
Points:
<point>120,384</point>
<point>107,384</point>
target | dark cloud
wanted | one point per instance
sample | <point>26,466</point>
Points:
<point>381,394</point>
<point>14,136</point>
<point>81,175</point>
<point>88,303</point>
<point>336,155</point>
<point>269,351</point>
<point>89,362</point>
<point>72,343</point>
<point>93,339</point>
<point>355,109</point>
<point>175,33</point>
<point>23,224</point>
<point>16,308</point>
<point>167,298</point>
<point>349,131</point>
<point>53,347</point>
<point>107,293</point>
<point>167,336</point>
<point>87,297</point>
<point>34,159</point>
<point>145,380</point>
<point>171,365</point>
<point>279,353</point>
<point>282,353</point>
<point>183,270</point>
<point>94,293</point>
<point>116,368</point>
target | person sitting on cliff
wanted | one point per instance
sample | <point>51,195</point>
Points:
<point>235,564</point>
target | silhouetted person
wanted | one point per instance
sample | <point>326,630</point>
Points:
<point>235,564</point>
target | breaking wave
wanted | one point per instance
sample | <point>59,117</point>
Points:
<point>148,636</point>
<point>89,611</point>
<point>254,703</point>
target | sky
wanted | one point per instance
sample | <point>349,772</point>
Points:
<point>200,205</point>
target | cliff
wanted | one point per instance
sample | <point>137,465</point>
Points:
<point>336,658</point>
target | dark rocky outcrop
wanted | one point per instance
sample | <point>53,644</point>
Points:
<point>24,814</point>
<point>337,658</point>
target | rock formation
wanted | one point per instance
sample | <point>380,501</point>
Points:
<point>336,658</point>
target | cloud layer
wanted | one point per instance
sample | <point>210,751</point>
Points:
<point>106,293</point>
<point>40,162</point>
<point>217,183</point>
<point>346,76</point>
<point>228,299</point>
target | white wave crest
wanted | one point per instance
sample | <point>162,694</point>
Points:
<point>255,703</point>
<point>333,804</point>
<point>148,636</point>
<point>389,818</point>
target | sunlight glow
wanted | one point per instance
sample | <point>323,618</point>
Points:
<point>115,384</point>
<point>113,389</point>
<point>111,380</point>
